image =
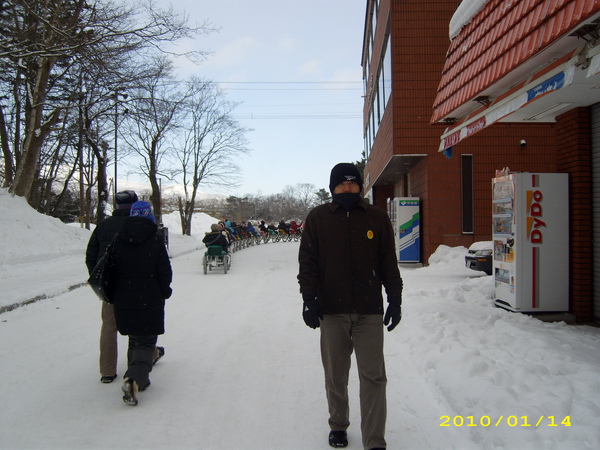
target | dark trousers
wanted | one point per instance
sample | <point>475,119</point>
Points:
<point>340,335</point>
<point>139,358</point>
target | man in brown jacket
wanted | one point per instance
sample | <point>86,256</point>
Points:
<point>347,254</point>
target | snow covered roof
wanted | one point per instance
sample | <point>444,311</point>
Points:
<point>464,14</point>
<point>497,37</point>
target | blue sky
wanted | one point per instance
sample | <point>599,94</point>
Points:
<point>295,68</point>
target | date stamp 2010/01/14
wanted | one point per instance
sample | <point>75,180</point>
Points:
<point>511,421</point>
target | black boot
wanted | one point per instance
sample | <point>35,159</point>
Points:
<point>338,439</point>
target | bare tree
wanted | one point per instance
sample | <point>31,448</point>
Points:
<point>209,147</point>
<point>40,43</point>
<point>158,108</point>
<point>306,197</point>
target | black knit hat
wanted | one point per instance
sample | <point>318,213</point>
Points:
<point>344,172</point>
<point>125,199</point>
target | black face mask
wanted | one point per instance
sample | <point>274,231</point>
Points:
<point>347,200</point>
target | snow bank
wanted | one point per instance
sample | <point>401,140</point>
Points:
<point>28,234</point>
<point>41,257</point>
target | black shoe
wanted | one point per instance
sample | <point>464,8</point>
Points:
<point>161,353</point>
<point>108,378</point>
<point>338,439</point>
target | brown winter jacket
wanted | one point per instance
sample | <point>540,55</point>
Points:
<point>346,257</point>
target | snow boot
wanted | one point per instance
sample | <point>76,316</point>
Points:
<point>338,439</point>
<point>130,390</point>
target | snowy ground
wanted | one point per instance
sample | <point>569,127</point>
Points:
<point>242,371</point>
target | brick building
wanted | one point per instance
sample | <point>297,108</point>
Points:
<point>424,91</point>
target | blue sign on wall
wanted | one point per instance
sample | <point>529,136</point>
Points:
<point>409,229</point>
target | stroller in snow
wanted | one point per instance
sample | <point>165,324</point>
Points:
<point>215,257</point>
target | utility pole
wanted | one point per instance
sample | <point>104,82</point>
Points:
<point>125,111</point>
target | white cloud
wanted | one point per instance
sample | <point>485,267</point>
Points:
<point>347,74</point>
<point>286,44</point>
<point>234,53</point>
<point>310,67</point>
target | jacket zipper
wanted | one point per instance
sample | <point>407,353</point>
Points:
<point>351,259</point>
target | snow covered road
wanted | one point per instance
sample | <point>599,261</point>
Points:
<point>242,371</point>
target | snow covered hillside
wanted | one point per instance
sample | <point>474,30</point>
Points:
<point>242,371</point>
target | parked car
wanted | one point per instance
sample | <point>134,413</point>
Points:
<point>480,256</point>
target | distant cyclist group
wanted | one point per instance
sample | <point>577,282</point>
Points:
<point>243,234</point>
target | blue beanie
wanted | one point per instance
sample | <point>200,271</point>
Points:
<point>142,209</point>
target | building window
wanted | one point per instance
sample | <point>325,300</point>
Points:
<point>368,141</point>
<point>381,96</point>
<point>467,204</point>
<point>374,120</point>
<point>374,13</point>
<point>377,103</point>
<point>387,71</point>
<point>375,89</point>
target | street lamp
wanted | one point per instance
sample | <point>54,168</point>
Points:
<point>81,105</point>
<point>116,95</point>
<point>80,158</point>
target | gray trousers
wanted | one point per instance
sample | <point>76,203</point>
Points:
<point>340,335</point>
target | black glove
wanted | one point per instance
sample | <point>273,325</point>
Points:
<point>310,311</point>
<point>393,312</point>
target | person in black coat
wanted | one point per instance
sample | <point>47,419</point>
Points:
<point>263,227</point>
<point>142,283</point>
<point>101,237</point>
<point>346,256</point>
<point>216,237</point>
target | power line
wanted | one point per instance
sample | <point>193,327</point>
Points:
<point>294,84</point>
<point>288,82</point>
<point>300,116</point>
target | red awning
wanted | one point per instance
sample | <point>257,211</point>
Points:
<point>499,39</point>
<point>545,82</point>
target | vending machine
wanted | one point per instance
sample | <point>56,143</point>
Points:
<point>531,241</point>
<point>404,213</point>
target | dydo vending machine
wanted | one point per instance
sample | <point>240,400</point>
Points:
<point>531,241</point>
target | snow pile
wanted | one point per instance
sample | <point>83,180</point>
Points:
<point>40,256</point>
<point>482,245</point>
<point>479,358</point>
<point>27,234</point>
<point>464,14</point>
<point>448,258</point>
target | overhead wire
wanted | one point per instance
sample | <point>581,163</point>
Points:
<point>292,83</point>
<point>293,86</point>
